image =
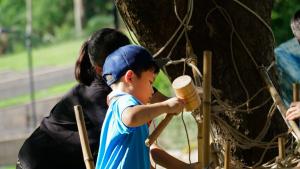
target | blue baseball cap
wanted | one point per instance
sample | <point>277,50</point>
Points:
<point>125,58</point>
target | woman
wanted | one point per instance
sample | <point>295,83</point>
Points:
<point>55,143</point>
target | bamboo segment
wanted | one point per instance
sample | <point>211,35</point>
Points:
<point>281,148</point>
<point>161,126</point>
<point>296,87</point>
<point>200,142</point>
<point>227,156</point>
<point>185,89</point>
<point>206,107</point>
<point>280,105</point>
<point>87,155</point>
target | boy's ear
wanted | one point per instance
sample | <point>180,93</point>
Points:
<point>128,76</point>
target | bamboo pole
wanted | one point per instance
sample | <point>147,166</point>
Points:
<point>280,105</point>
<point>161,126</point>
<point>200,142</point>
<point>206,107</point>
<point>227,155</point>
<point>281,148</point>
<point>87,155</point>
<point>296,87</point>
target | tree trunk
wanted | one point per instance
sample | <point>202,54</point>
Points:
<point>78,16</point>
<point>234,73</point>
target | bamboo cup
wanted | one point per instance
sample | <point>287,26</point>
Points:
<point>185,89</point>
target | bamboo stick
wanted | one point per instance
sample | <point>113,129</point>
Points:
<point>296,87</point>
<point>87,155</point>
<point>206,107</point>
<point>227,155</point>
<point>280,105</point>
<point>200,142</point>
<point>161,126</point>
<point>281,148</point>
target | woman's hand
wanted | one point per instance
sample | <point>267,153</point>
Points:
<point>294,111</point>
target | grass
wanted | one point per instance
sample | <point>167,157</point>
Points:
<point>52,91</point>
<point>55,55</point>
<point>8,167</point>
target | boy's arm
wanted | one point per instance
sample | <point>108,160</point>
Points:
<point>165,160</point>
<point>141,114</point>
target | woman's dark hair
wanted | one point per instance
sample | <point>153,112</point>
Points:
<point>94,52</point>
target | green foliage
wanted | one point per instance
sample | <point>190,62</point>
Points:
<point>12,13</point>
<point>282,12</point>
<point>163,84</point>
<point>98,22</point>
<point>52,20</point>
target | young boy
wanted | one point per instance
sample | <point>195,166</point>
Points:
<point>130,72</point>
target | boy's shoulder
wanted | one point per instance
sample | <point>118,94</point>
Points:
<point>121,98</point>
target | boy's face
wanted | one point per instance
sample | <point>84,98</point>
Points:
<point>142,86</point>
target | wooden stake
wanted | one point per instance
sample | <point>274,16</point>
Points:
<point>206,107</point>
<point>200,142</point>
<point>281,148</point>
<point>87,155</point>
<point>296,88</point>
<point>227,155</point>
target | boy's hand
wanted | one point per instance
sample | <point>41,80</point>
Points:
<point>175,105</point>
<point>294,111</point>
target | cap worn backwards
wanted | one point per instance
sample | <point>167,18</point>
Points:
<point>123,59</point>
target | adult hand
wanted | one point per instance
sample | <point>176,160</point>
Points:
<point>294,111</point>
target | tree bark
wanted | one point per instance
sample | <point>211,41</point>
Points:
<point>154,22</point>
